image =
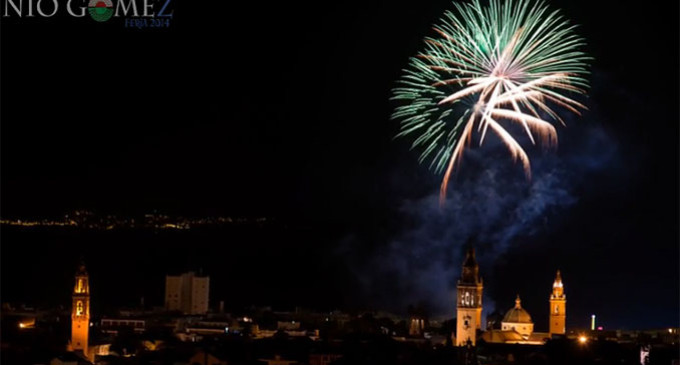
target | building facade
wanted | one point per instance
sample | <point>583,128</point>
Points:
<point>517,319</point>
<point>515,327</point>
<point>469,302</point>
<point>416,327</point>
<point>187,293</point>
<point>518,328</point>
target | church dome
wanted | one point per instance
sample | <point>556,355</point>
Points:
<point>517,314</point>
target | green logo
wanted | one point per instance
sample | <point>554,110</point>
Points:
<point>100,10</point>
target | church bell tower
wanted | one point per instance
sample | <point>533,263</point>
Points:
<point>469,302</point>
<point>80,313</point>
<point>558,307</point>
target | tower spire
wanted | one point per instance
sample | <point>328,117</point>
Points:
<point>558,287</point>
<point>470,267</point>
<point>518,303</point>
<point>81,266</point>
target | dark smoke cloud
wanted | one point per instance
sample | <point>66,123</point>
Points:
<point>491,204</point>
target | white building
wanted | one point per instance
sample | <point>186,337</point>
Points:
<point>187,293</point>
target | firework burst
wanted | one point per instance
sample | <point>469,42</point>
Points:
<point>508,62</point>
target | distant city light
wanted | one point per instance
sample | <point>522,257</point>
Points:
<point>592,322</point>
<point>30,323</point>
<point>600,328</point>
<point>582,339</point>
<point>89,220</point>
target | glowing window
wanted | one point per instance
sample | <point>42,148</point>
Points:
<point>79,308</point>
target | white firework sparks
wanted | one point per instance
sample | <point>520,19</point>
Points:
<point>508,61</point>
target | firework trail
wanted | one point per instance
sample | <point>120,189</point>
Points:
<point>510,61</point>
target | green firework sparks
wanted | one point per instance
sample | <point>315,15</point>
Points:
<point>506,62</point>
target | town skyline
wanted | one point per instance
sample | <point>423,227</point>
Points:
<point>129,294</point>
<point>186,309</point>
<point>341,156</point>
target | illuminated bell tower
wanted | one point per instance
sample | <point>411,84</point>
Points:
<point>558,307</point>
<point>80,314</point>
<point>469,302</point>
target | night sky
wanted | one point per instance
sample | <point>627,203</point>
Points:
<point>281,109</point>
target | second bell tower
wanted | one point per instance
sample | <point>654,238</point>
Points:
<point>558,307</point>
<point>469,301</point>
